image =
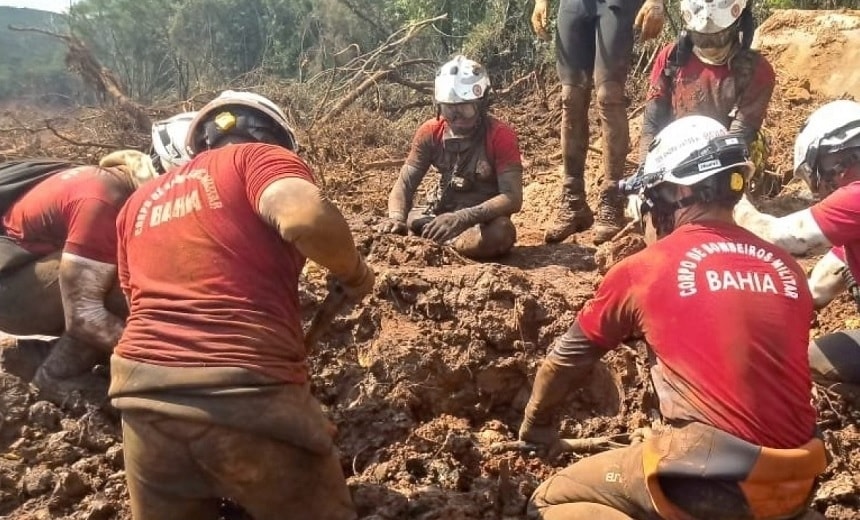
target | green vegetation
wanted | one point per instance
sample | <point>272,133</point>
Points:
<point>32,65</point>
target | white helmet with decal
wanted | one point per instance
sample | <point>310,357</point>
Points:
<point>711,16</point>
<point>168,139</point>
<point>832,129</point>
<point>461,80</point>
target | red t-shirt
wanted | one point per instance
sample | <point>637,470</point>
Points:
<point>501,145</point>
<point>73,210</point>
<point>709,90</point>
<point>838,216</point>
<point>727,316</point>
<point>210,283</point>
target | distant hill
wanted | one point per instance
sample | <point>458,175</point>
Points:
<point>32,66</point>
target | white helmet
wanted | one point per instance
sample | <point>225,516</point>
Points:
<point>249,115</point>
<point>833,128</point>
<point>711,16</point>
<point>688,151</point>
<point>168,139</point>
<point>461,80</point>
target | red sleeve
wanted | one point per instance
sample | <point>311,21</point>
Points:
<point>610,316</point>
<point>92,230</point>
<point>838,215</point>
<point>263,164</point>
<point>121,258</point>
<point>656,88</point>
<point>504,147</point>
<point>423,143</point>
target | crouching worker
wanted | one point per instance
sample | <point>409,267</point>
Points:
<point>211,373</point>
<point>58,255</point>
<point>481,176</point>
<point>727,316</point>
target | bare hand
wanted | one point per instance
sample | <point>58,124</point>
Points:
<point>390,225</point>
<point>539,19</point>
<point>649,19</point>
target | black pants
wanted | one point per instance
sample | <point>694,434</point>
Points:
<point>836,357</point>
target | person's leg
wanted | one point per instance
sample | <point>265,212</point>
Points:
<point>612,62</point>
<point>30,301</point>
<point>575,51</point>
<point>273,480</point>
<point>486,241</point>
<point>836,357</point>
<point>613,479</point>
<point>164,482</point>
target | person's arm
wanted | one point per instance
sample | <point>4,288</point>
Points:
<point>797,233</point>
<point>400,199</point>
<point>304,217</point>
<point>83,286</point>
<point>752,106</point>
<point>602,324</point>
<point>506,203</point>
<point>827,279</point>
<point>658,108</point>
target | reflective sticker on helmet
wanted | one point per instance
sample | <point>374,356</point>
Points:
<point>477,90</point>
<point>225,121</point>
<point>736,181</point>
<point>709,165</point>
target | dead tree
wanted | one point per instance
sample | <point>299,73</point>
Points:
<point>80,59</point>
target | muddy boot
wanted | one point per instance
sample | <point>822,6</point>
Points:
<point>612,108</point>
<point>67,371</point>
<point>573,214</point>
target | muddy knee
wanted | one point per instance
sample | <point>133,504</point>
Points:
<point>610,95</point>
<point>490,240</point>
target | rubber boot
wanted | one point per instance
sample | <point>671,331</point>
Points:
<point>67,370</point>
<point>612,109</point>
<point>573,214</point>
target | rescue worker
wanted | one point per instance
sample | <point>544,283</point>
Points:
<point>211,373</point>
<point>733,386</point>
<point>594,44</point>
<point>59,263</point>
<point>712,71</point>
<point>827,158</point>
<point>481,175</point>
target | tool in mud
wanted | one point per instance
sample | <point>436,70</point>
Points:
<point>334,302</point>
<point>586,445</point>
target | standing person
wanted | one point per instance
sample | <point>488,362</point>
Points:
<point>481,175</point>
<point>211,373</point>
<point>58,256</point>
<point>827,158</point>
<point>594,43</point>
<point>726,316</point>
<point>712,71</point>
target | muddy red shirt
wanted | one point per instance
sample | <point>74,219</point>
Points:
<point>838,216</point>
<point>500,143</point>
<point>727,316</point>
<point>73,211</point>
<point>211,284</point>
<point>710,90</point>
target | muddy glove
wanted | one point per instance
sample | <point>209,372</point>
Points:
<point>649,20</point>
<point>542,435</point>
<point>359,284</point>
<point>391,225</point>
<point>539,19</point>
<point>446,226</point>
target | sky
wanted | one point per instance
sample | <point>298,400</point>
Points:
<point>57,6</point>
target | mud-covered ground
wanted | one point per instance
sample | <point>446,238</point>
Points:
<point>436,365</point>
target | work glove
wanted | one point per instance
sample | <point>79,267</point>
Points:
<point>539,19</point>
<point>360,284</point>
<point>541,435</point>
<point>136,165</point>
<point>649,19</point>
<point>445,227</point>
<point>391,225</point>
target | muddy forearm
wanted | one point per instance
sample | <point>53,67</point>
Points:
<point>740,127</point>
<point>827,280</point>
<point>306,218</point>
<point>563,370</point>
<point>797,233</point>
<point>401,197</point>
<point>506,203</point>
<point>83,285</point>
<point>657,114</point>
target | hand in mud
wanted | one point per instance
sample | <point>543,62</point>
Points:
<point>445,227</point>
<point>539,19</point>
<point>543,436</point>
<point>359,285</point>
<point>649,20</point>
<point>390,225</point>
